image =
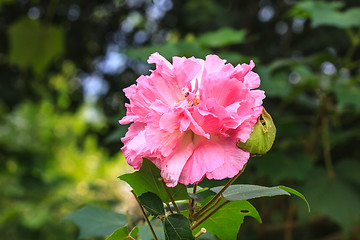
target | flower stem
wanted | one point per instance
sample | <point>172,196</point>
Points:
<point>169,195</point>
<point>196,224</point>
<point>144,214</point>
<point>191,203</point>
<point>168,205</point>
<point>218,194</point>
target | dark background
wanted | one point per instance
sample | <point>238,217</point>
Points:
<point>63,65</point>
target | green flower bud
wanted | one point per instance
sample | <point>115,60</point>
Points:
<point>262,136</point>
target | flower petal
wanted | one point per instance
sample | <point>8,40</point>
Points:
<point>213,63</point>
<point>162,142</point>
<point>207,156</point>
<point>172,166</point>
<point>236,158</point>
<point>189,115</point>
<point>252,80</point>
<point>135,145</point>
<point>185,70</point>
<point>160,62</point>
<point>223,89</point>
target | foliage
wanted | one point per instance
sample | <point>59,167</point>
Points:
<point>227,227</point>
<point>94,221</point>
<point>34,45</point>
<point>322,13</point>
<point>59,142</point>
<point>177,226</point>
<point>147,180</point>
<point>222,219</point>
<point>123,234</point>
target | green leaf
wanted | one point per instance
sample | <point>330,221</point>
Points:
<point>118,2</point>
<point>348,96</point>
<point>236,58</point>
<point>169,49</point>
<point>177,227</point>
<point>278,166</point>
<point>274,83</point>
<point>33,44</point>
<point>332,197</point>
<point>145,233</point>
<point>147,180</point>
<point>134,232</point>
<point>3,2</point>
<point>201,194</point>
<point>123,233</point>
<point>152,203</point>
<point>222,37</point>
<point>95,221</point>
<point>327,14</point>
<point>294,192</point>
<point>349,170</point>
<point>226,222</point>
<point>244,192</point>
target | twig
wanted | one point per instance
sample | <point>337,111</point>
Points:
<point>196,224</point>
<point>289,226</point>
<point>143,212</point>
<point>210,208</point>
<point>168,205</point>
<point>219,193</point>
<point>169,195</point>
<point>201,232</point>
<point>191,203</point>
<point>326,138</point>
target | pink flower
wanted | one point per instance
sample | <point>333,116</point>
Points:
<point>189,115</point>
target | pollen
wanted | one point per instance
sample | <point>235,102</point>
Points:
<point>194,101</point>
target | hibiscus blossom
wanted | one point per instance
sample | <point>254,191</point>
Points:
<point>188,116</point>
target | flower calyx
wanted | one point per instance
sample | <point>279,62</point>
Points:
<point>262,136</point>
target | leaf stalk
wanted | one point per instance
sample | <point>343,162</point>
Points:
<point>218,195</point>
<point>197,223</point>
<point>169,195</point>
<point>144,214</point>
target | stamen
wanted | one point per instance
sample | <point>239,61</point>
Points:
<point>194,101</point>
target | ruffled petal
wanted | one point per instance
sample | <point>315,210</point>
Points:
<point>161,63</point>
<point>213,63</point>
<point>189,115</point>
<point>243,131</point>
<point>240,71</point>
<point>170,121</point>
<point>162,142</point>
<point>173,165</point>
<point>224,90</point>
<point>235,160</point>
<point>185,70</point>
<point>207,156</point>
<point>135,147</point>
<point>252,80</point>
<point>258,96</point>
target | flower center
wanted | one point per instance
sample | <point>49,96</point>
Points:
<point>192,99</point>
<point>196,100</point>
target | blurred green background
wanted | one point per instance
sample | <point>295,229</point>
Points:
<point>63,65</point>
